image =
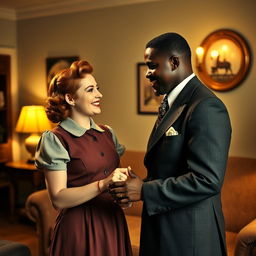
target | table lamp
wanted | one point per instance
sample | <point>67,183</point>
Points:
<point>32,120</point>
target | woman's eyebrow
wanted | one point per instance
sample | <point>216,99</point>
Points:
<point>89,86</point>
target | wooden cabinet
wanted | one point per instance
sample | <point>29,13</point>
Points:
<point>5,109</point>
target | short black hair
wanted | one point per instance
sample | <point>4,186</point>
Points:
<point>169,43</point>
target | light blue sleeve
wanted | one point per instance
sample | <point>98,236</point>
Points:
<point>119,147</point>
<point>50,153</point>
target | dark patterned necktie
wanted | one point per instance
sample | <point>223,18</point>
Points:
<point>162,110</point>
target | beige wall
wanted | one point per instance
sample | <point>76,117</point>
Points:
<point>113,40</point>
<point>7,33</point>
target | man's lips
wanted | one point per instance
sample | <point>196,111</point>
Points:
<point>154,89</point>
<point>154,85</point>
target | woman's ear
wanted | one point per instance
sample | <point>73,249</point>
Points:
<point>174,62</point>
<point>69,99</point>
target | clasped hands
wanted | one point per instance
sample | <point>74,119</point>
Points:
<point>125,186</point>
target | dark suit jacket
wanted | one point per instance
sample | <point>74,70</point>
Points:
<point>182,213</point>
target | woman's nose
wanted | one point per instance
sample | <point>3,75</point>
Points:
<point>99,95</point>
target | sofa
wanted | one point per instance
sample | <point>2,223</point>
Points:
<point>238,199</point>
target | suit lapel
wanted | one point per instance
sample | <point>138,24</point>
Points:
<point>151,135</point>
<point>173,113</point>
<point>170,117</point>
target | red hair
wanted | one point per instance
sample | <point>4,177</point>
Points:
<point>63,82</point>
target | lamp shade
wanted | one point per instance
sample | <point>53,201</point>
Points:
<point>32,119</point>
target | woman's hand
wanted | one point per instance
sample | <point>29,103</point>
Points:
<point>119,174</point>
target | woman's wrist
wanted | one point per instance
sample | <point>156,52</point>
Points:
<point>99,186</point>
<point>102,186</point>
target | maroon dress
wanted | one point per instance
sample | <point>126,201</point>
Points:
<point>97,227</point>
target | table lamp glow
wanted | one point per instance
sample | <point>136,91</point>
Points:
<point>32,120</point>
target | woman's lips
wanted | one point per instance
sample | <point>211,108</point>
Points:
<point>96,104</point>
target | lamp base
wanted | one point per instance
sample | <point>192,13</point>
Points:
<point>31,144</point>
<point>30,160</point>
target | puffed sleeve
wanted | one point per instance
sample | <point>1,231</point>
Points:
<point>50,153</point>
<point>119,147</point>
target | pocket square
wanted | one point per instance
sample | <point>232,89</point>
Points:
<point>171,132</point>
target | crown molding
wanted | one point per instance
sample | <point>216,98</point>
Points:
<point>67,6</point>
<point>7,14</point>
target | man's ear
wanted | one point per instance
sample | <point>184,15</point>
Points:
<point>174,62</point>
<point>69,99</point>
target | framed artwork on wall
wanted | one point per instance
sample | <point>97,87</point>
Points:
<point>223,60</point>
<point>148,102</point>
<point>55,64</point>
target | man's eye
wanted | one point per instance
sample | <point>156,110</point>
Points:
<point>90,90</point>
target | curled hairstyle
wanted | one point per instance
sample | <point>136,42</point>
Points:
<point>64,82</point>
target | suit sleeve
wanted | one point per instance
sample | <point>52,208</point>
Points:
<point>208,135</point>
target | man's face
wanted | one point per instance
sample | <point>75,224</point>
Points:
<point>160,72</point>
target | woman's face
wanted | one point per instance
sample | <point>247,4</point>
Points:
<point>87,98</point>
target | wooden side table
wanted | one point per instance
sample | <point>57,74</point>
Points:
<point>26,179</point>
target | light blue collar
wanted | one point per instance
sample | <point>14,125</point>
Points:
<point>75,129</point>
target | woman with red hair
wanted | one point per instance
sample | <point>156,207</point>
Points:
<point>80,159</point>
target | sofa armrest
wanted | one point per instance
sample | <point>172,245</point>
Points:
<point>39,209</point>
<point>246,240</point>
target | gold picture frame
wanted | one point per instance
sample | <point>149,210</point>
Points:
<point>223,60</point>
<point>148,102</point>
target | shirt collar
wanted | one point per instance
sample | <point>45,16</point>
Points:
<point>176,91</point>
<point>75,129</point>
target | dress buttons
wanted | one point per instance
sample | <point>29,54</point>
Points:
<point>102,153</point>
<point>94,138</point>
<point>105,171</point>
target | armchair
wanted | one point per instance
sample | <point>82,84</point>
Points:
<point>39,209</point>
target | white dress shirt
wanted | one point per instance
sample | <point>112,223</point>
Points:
<point>176,91</point>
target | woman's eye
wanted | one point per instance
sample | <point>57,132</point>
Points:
<point>91,89</point>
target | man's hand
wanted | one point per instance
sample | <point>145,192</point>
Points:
<point>127,191</point>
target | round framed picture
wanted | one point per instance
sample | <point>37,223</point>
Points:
<point>223,60</point>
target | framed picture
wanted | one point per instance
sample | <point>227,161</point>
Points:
<point>148,102</point>
<point>223,60</point>
<point>55,64</point>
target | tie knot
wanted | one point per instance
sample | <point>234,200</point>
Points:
<point>164,106</point>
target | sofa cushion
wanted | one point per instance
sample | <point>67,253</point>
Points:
<point>239,193</point>
<point>231,242</point>
<point>135,209</point>
<point>135,160</point>
<point>134,223</point>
